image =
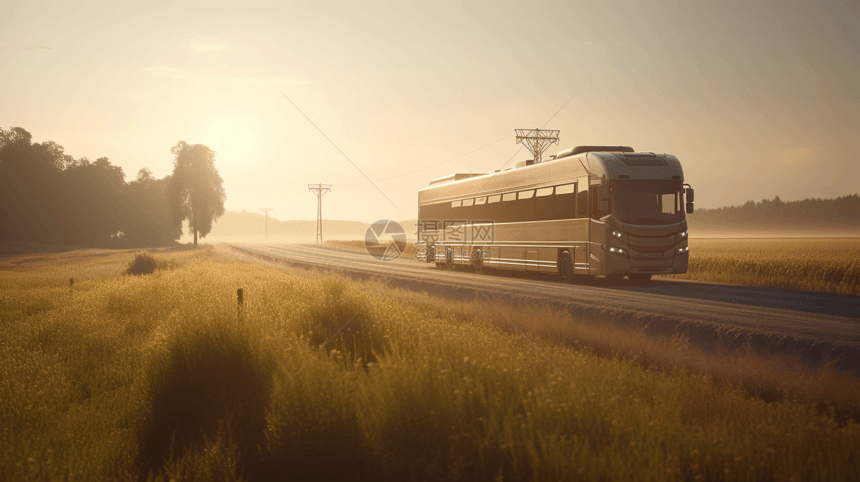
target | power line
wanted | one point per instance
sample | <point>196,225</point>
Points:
<point>470,152</point>
<point>432,165</point>
<point>338,150</point>
<point>518,150</point>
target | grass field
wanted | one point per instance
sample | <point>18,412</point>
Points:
<point>831,265</point>
<point>162,376</point>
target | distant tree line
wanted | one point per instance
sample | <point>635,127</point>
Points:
<point>48,196</point>
<point>841,213</point>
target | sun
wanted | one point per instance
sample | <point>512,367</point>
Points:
<point>231,137</point>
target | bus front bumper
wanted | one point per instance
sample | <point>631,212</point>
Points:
<point>677,264</point>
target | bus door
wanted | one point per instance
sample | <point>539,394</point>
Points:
<point>581,231</point>
<point>596,266</point>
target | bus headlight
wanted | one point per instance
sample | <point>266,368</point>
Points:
<point>615,249</point>
<point>618,235</point>
<point>683,250</point>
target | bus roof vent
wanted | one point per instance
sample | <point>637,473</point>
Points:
<point>643,159</point>
<point>456,177</point>
<point>525,163</point>
<point>580,149</point>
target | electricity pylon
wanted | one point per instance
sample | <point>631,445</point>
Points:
<point>319,190</point>
<point>536,140</point>
<point>266,210</point>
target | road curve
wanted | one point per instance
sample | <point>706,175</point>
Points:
<point>813,319</point>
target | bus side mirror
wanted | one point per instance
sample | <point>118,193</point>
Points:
<point>690,197</point>
<point>689,208</point>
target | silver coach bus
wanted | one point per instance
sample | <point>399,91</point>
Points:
<point>590,211</point>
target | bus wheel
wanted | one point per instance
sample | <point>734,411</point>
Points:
<point>449,260</point>
<point>615,278</point>
<point>565,267</point>
<point>639,278</point>
<point>478,262</point>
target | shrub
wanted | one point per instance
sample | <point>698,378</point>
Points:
<point>206,378</point>
<point>217,460</point>
<point>312,428</point>
<point>143,263</point>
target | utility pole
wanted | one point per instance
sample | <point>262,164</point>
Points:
<point>319,190</point>
<point>266,210</point>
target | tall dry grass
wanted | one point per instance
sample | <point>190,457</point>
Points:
<point>831,265</point>
<point>157,377</point>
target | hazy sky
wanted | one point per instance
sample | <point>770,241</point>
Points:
<point>755,99</point>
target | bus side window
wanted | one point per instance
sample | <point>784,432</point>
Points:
<point>492,209</point>
<point>479,211</point>
<point>582,201</point>
<point>564,201</point>
<point>592,200</point>
<point>596,213</point>
<point>565,189</point>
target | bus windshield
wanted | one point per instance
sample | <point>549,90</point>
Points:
<point>648,202</point>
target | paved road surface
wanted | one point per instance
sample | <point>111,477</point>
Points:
<point>820,318</point>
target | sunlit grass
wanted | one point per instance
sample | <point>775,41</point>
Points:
<point>831,265</point>
<point>127,377</point>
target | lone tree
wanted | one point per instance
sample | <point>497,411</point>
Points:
<point>196,191</point>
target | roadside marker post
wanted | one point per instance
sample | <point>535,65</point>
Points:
<point>240,297</point>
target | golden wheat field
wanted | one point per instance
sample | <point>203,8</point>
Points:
<point>163,376</point>
<point>831,265</point>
